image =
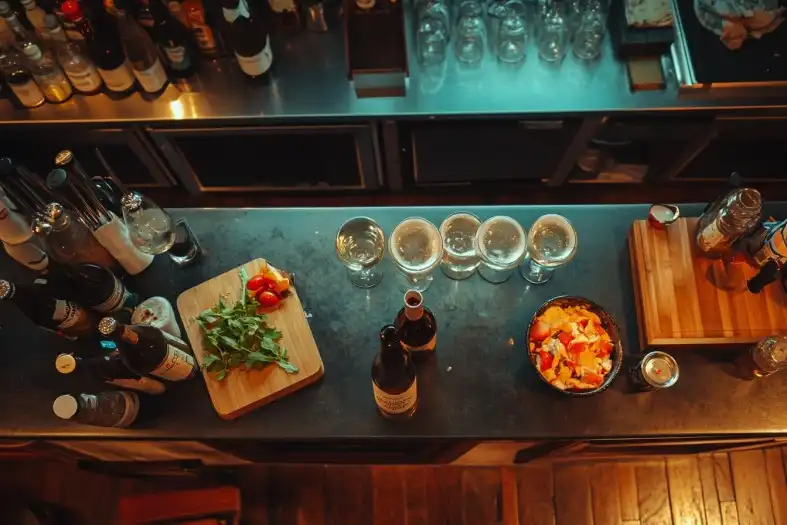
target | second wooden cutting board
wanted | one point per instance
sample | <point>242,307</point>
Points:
<point>244,390</point>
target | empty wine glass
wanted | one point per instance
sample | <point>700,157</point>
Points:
<point>150,228</point>
<point>511,39</point>
<point>590,34</point>
<point>460,258</point>
<point>470,33</point>
<point>432,41</point>
<point>437,9</point>
<point>360,244</point>
<point>553,35</point>
<point>501,242</point>
<point>417,248</point>
<point>551,242</point>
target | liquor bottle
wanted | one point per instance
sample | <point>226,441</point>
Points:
<point>108,409</point>
<point>172,38</point>
<point>197,21</point>
<point>111,370</point>
<point>249,36</point>
<point>103,44</point>
<point>393,377</point>
<point>141,51</point>
<point>78,67</point>
<point>9,16</point>
<point>48,74</point>
<point>91,285</point>
<point>35,15</point>
<point>20,80</point>
<point>38,303</point>
<point>149,351</point>
<point>416,324</point>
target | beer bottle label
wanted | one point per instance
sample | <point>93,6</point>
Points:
<point>70,317</point>
<point>176,366</point>
<point>140,384</point>
<point>396,403</point>
<point>116,299</point>
<point>428,347</point>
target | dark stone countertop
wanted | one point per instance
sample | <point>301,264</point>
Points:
<point>480,383</point>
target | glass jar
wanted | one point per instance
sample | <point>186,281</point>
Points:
<point>727,220</point>
<point>765,358</point>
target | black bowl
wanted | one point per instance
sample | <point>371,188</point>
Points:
<point>606,321</point>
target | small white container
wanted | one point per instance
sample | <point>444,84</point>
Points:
<point>14,227</point>
<point>157,312</point>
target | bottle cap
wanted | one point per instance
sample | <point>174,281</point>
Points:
<point>28,4</point>
<point>64,157</point>
<point>388,334</point>
<point>65,407</point>
<point>32,51</point>
<point>107,326</point>
<point>71,10</point>
<point>6,290</point>
<point>5,8</point>
<point>65,363</point>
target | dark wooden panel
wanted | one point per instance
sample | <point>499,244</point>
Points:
<point>572,495</point>
<point>348,495</point>
<point>654,504</point>
<point>774,465</point>
<point>445,497</point>
<point>721,470</point>
<point>710,494</point>
<point>536,500</point>
<point>481,491</point>
<point>253,482</point>
<point>685,488</point>
<point>508,496</point>
<point>751,487</point>
<point>415,496</point>
<point>627,482</point>
<point>605,494</point>
<point>388,496</point>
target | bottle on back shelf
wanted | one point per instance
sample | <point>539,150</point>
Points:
<point>110,369</point>
<point>69,26</point>
<point>103,44</point>
<point>48,74</point>
<point>197,21</point>
<point>393,377</point>
<point>78,67</point>
<point>38,303</point>
<point>107,409</point>
<point>149,351</point>
<point>20,80</point>
<point>91,285</point>
<point>141,51</point>
<point>14,24</point>
<point>249,36</point>
<point>416,324</point>
<point>172,38</point>
<point>35,15</point>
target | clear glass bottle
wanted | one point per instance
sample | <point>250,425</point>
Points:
<point>765,358</point>
<point>69,241</point>
<point>35,15</point>
<point>150,228</point>
<point>19,79</point>
<point>78,67</point>
<point>727,220</point>
<point>48,74</point>
<point>9,16</point>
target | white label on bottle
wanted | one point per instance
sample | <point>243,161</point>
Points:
<point>396,403</point>
<point>231,14</point>
<point>153,78</point>
<point>141,384</point>
<point>116,299</point>
<point>428,347</point>
<point>28,254</point>
<point>85,80</point>
<point>711,236</point>
<point>176,366</point>
<point>119,79</point>
<point>176,56</point>
<point>131,412</point>
<point>68,314</point>
<point>258,64</point>
<point>29,94</point>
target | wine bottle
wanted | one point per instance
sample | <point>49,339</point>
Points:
<point>38,303</point>
<point>149,351</point>
<point>103,45</point>
<point>108,409</point>
<point>48,75</point>
<point>249,36</point>
<point>9,16</point>
<point>111,370</point>
<point>393,377</point>
<point>172,38</point>
<point>141,51</point>
<point>197,21</point>
<point>20,80</point>
<point>78,67</point>
<point>416,324</point>
<point>91,285</point>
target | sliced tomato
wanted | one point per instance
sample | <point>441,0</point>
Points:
<point>255,283</point>
<point>539,331</point>
<point>546,360</point>
<point>565,338</point>
<point>593,379</point>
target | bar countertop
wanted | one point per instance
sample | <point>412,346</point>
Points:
<point>480,383</point>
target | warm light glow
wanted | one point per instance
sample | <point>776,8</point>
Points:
<point>176,108</point>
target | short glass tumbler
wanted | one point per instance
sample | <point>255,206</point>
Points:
<point>416,248</point>
<point>432,41</point>
<point>553,36</point>
<point>501,242</point>
<point>360,245</point>
<point>460,258</point>
<point>551,242</point>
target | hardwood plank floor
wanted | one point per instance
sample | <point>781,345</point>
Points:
<point>739,488</point>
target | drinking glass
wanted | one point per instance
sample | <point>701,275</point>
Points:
<point>416,248</point>
<point>590,34</point>
<point>470,33</point>
<point>150,228</point>
<point>360,245</point>
<point>511,39</point>
<point>437,9</point>
<point>501,242</point>
<point>432,41</point>
<point>496,11</point>
<point>553,36</point>
<point>460,258</point>
<point>551,242</point>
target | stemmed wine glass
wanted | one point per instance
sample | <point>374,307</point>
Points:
<point>360,244</point>
<point>552,242</point>
<point>417,248</point>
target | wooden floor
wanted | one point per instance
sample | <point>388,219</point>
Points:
<point>745,487</point>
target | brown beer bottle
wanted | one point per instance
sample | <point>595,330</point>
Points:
<point>393,377</point>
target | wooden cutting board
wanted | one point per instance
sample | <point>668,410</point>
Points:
<point>685,299</point>
<point>244,390</point>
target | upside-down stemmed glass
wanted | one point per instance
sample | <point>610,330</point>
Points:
<point>360,244</point>
<point>551,242</point>
<point>417,248</point>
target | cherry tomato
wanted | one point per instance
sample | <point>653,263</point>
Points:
<point>255,283</point>
<point>267,298</point>
<point>268,283</point>
<point>540,331</point>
